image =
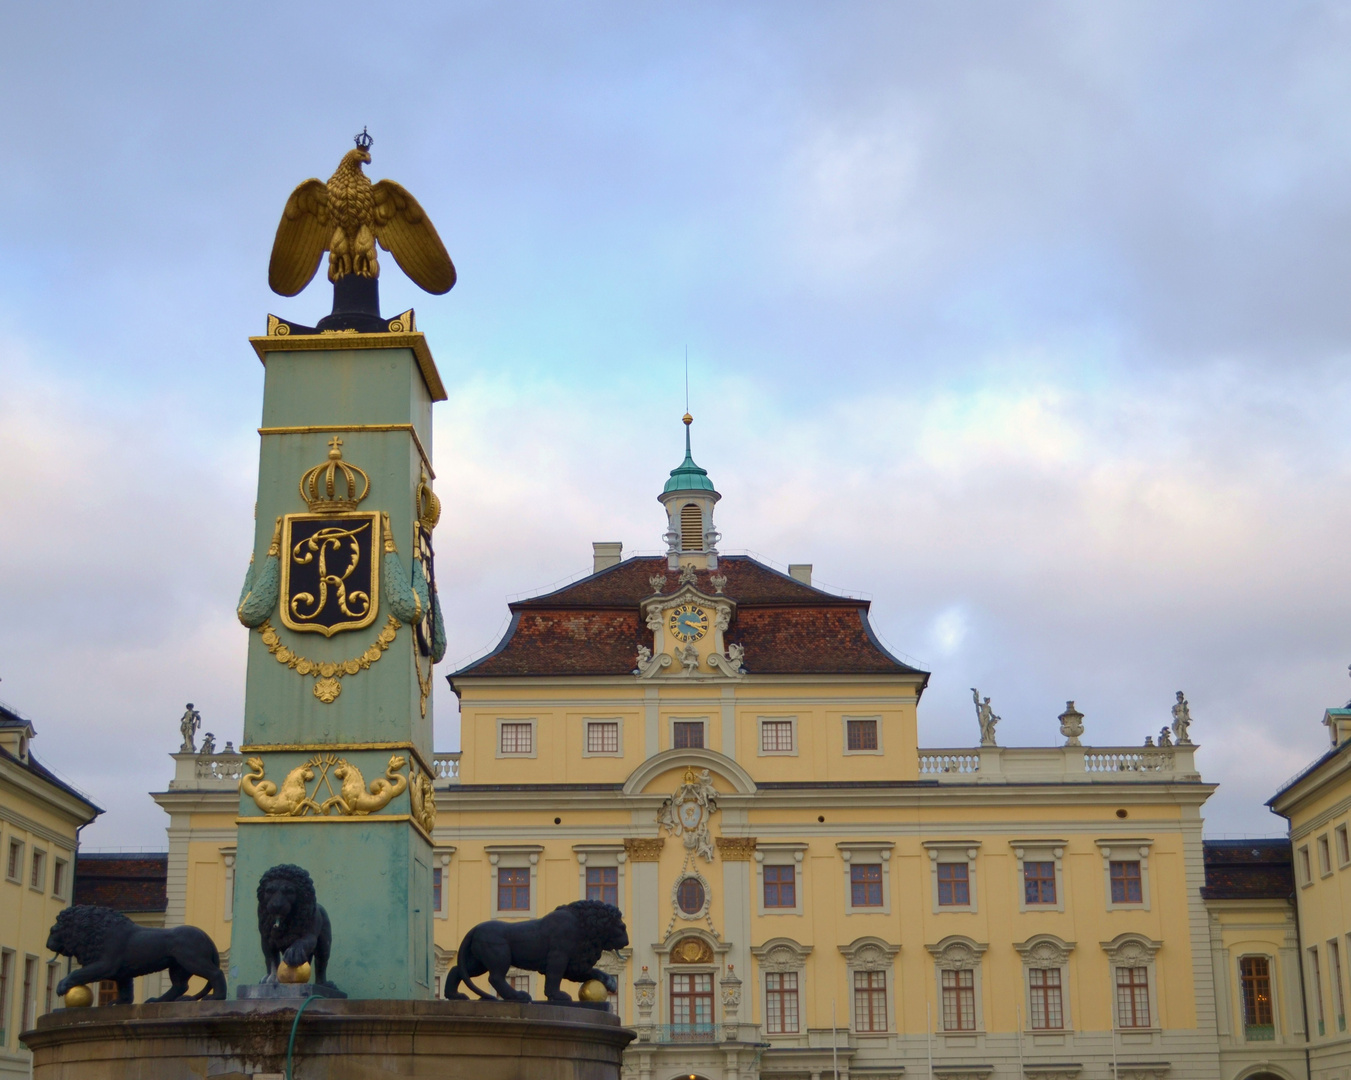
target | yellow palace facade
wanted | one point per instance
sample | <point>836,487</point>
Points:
<point>729,754</point>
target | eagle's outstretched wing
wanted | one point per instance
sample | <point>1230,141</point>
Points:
<point>302,238</point>
<point>405,231</point>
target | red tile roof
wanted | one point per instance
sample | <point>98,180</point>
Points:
<point>123,881</point>
<point>593,626</point>
<point>1248,870</point>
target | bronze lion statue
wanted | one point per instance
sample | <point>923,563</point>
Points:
<point>291,923</point>
<point>108,945</point>
<point>565,944</point>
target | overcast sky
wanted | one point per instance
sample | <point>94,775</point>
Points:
<point>1028,322</point>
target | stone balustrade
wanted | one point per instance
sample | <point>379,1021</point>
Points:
<point>446,767</point>
<point>222,772</point>
<point>1059,764</point>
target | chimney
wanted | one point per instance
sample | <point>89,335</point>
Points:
<point>800,571</point>
<point>608,553</point>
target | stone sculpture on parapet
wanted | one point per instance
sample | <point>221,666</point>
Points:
<point>565,944</point>
<point>192,720</point>
<point>1182,720</point>
<point>108,945</point>
<point>985,717</point>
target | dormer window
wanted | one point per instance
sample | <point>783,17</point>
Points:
<point>691,528</point>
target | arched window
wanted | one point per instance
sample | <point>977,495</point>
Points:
<point>691,528</point>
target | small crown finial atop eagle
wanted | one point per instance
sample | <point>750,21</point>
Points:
<point>348,217</point>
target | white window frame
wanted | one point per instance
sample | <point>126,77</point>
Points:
<point>513,857</point>
<point>534,737</point>
<point>18,860</point>
<point>1337,983</point>
<point>778,956</point>
<point>871,954</point>
<point>953,851</point>
<point>864,851</point>
<point>957,952</point>
<point>601,855</point>
<point>1037,851</point>
<point>1324,855</point>
<point>1046,951</point>
<point>844,735</point>
<point>37,867</point>
<point>1303,866</point>
<point>230,856</point>
<point>671,722</point>
<point>761,721</point>
<point>1126,849</point>
<point>788,854</point>
<point>618,722</point>
<point>441,856</point>
<point>8,972</point>
<point>1343,846</point>
<point>1134,950</point>
<point>61,879</point>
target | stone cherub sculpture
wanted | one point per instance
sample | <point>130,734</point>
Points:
<point>985,717</point>
<point>1182,720</point>
<point>192,720</point>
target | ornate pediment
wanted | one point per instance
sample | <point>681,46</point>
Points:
<point>688,628</point>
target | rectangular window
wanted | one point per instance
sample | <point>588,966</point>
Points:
<point>437,889</point>
<point>865,885</point>
<point>49,997</point>
<point>1316,973</point>
<point>1126,883</point>
<point>14,860</point>
<point>861,734</point>
<point>781,1002</point>
<point>520,982</point>
<point>781,887</point>
<point>59,879</point>
<point>107,992</point>
<point>513,889</point>
<point>37,879</point>
<point>776,736</point>
<point>1335,977</point>
<point>602,883</point>
<point>1132,997</point>
<point>1039,882</point>
<point>30,977</point>
<point>1255,974</point>
<point>687,734</point>
<point>1047,1012</point>
<point>870,1001</point>
<point>959,1000</point>
<point>954,886</point>
<point>1343,846</point>
<point>1305,870</point>
<point>602,737</point>
<point>6,981</point>
<point>518,739</point>
<point>1324,855</point>
<point>692,1005</point>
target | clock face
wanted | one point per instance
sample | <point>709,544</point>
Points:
<point>688,622</point>
<point>690,813</point>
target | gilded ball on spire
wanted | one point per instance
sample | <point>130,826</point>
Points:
<point>688,419</point>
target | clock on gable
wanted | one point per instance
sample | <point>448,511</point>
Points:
<point>688,621</point>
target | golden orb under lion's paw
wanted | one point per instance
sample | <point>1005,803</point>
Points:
<point>593,990</point>
<point>79,997</point>
<point>288,974</point>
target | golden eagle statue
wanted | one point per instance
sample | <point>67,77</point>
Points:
<point>347,217</point>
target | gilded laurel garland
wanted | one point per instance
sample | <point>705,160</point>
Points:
<point>327,673</point>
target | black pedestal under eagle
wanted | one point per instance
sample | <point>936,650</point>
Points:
<point>347,217</point>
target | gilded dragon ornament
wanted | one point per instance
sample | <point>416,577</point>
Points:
<point>354,798</point>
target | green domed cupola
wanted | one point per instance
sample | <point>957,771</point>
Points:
<point>689,496</point>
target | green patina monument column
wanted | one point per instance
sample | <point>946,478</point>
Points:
<point>340,598</point>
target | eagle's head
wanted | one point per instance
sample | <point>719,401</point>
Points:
<point>354,159</point>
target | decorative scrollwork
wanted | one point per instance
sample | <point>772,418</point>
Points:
<point>296,798</point>
<point>327,672</point>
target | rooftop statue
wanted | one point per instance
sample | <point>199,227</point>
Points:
<point>347,217</point>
